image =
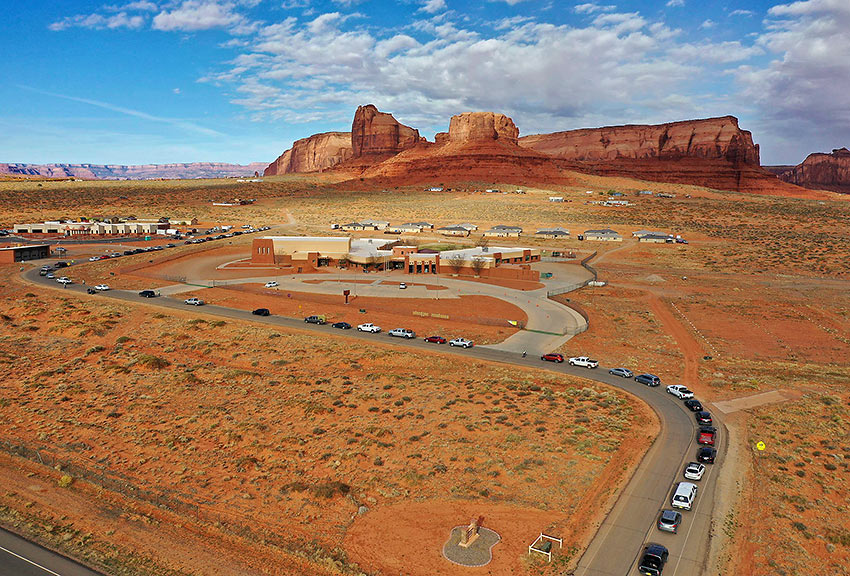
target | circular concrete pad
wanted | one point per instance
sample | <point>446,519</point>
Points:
<point>479,554</point>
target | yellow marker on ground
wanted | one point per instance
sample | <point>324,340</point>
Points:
<point>760,446</point>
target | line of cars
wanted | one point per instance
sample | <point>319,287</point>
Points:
<point>405,333</point>
<point>654,555</point>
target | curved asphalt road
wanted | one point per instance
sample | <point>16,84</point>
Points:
<point>616,548</point>
<point>19,557</point>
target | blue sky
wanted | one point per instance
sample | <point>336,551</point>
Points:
<point>153,81</point>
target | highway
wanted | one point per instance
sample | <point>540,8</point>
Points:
<point>19,557</point>
<point>619,541</point>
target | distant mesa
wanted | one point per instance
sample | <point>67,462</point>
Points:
<point>133,172</point>
<point>822,171</point>
<point>711,152</point>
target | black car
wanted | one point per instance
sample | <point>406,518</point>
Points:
<point>703,417</point>
<point>653,560</point>
<point>648,379</point>
<point>261,312</point>
<point>91,291</point>
<point>706,454</point>
<point>341,325</point>
<point>693,405</point>
<point>61,265</point>
<point>128,252</point>
<point>314,320</point>
<point>147,294</point>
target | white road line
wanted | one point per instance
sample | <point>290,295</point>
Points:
<point>49,571</point>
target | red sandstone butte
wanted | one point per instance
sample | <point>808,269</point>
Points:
<point>374,132</point>
<point>821,171</point>
<point>314,154</point>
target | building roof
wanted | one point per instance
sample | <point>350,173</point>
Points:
<point>505,227</point>
<point>640,233</point>
<point>557,230</point>
<point>655,236</point>
<point>602,232</point>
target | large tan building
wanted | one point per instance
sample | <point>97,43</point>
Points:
<point>306,254</point>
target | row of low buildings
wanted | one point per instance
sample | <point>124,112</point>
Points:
<point>106,227</point>
<point>462,230</point>
<point>308,254</point>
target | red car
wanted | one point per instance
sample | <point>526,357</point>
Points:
<point>707,435</point>
<point>553,357</point>
<point>435,339</point>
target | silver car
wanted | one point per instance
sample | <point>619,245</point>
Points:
<point>622,372</point>
<point>669,521</point>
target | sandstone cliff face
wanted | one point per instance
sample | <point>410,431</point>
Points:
<point>313,154</point>
<point>374,132</point>
<point>711,138</point>
<point>481,126</point>
<point>822,171</point>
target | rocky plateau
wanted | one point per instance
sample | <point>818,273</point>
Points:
<point>820,171</point>
<point>132,172</point>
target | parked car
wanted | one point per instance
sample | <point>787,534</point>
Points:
<point>669,521</point>
<point>402,286</point>
<point>583,361</point>
<point>707,435</point>
<point>261,312</point>
<point>102,287</point>
<point>271,284</point>
<point>402,333</point>
<point>91,291</point>
<point>42,272</point>
<point>693,405</point>
<point>128,252</point>
<point>193,301</point>
<point>435,340</point>
<point>553,357</point>
<point>680,391</point>
<point>706,454</point>
<point>61,264</point>
<point>341,325</point>
<point>369,327</point>
<point>50,276</point>
<point>648,379</point>
<point>315,320</point>
<point>623,372</point>
<point>653,559</point>
<point>64,280</point>
<point>147,294</point>
<point>462,342</point>
<point>694,471</point>
<point>703,418</point>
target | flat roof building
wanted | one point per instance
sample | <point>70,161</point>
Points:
<point>24,253</point>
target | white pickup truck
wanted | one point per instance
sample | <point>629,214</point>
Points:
<point>583,361</point>
<point>369,327</point>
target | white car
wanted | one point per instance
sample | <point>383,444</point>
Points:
<point>402,286</point>
<point>694,471</point>
<point>402,333</point>
<point>94,258</point>
<point>462,342</point>
<point>102,287</point>
<point>679,391</point>
<point>583,361</point>
<point>271,284</point>
<point>64,280</point>
<point>369,327</point>
<point>193,302</point>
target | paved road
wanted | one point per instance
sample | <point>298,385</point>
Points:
<point>617,545</point>
<point>19,557</point>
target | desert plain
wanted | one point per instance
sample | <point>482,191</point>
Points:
<point>149,441</point>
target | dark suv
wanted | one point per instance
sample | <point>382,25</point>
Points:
<point>653,560</point>
<point>648,379</point>
<point>314,320</point>
<point>147,294</point>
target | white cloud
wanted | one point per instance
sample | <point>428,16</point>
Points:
<point>746,13</point>
<point>720,52</point>
<point>707,24</point>
<point>99,22</point>
<point>802,94</point>
<point>194,15</point>
<point>675,3</point>
<point>591,8</point>
<point>176,91</point>
<point>508,2</point>
<point>433,6</point>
